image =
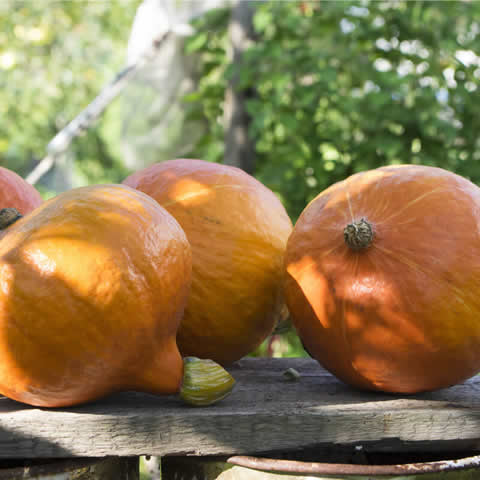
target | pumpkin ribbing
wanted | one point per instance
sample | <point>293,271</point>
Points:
<point>403,314</point>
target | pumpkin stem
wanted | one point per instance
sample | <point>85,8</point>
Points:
<point>358,235</point>
<point>204,382</point>
<point>8,216</point>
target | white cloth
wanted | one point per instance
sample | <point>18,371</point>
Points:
<point>154,127</point>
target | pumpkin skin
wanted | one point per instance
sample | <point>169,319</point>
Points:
<point>15,192</point>
<point>238,231</point>
<point>403,314</point>
<point>93,284</point>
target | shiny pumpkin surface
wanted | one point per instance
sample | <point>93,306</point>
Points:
<point>238,231</point>
<point>93,284</point>
<point>402,315</point>
<point>15,192</point>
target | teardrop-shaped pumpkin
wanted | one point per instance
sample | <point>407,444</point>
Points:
<point>238,231</point>
<point>15,192</point>
<point>93,284</point>
<point>384,278</point>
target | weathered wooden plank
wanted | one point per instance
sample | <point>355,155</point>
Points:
<point>265,412</point>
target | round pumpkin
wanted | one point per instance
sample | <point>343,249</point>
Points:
<point>383,279</point>
<point>93,284</point>
<point>238,231</point>
<point>15,192</point>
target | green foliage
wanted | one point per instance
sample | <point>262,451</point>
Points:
<point>206,103</point>
<point>285,344</point>
<point>54,59</point>
<point>342,87</point>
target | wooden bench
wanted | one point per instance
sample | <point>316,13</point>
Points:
<point>266,413</point>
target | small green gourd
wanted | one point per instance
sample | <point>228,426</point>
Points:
<point>204,382</point>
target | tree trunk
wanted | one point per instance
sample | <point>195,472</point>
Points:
<point>239,149</point>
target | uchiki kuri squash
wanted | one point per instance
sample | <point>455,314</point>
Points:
<point>383,279</point>
<point>93,284</point>
<point>238,230</point>
<point>15,192</point>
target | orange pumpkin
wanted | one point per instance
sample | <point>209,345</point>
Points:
<point>93,284</point>
<point>15,192</point>
<point>238,231</point>
<point>384,278</point>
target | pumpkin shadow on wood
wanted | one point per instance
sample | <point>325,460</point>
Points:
<point>18,445</point>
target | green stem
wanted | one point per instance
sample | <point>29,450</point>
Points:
<point>358,235</point>
<point>8,216</point>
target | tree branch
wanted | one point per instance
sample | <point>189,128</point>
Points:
<point>92,112</point>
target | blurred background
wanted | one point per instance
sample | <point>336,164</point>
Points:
<point>300,94</point>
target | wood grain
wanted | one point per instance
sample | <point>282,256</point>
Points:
<point>266,412</point>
